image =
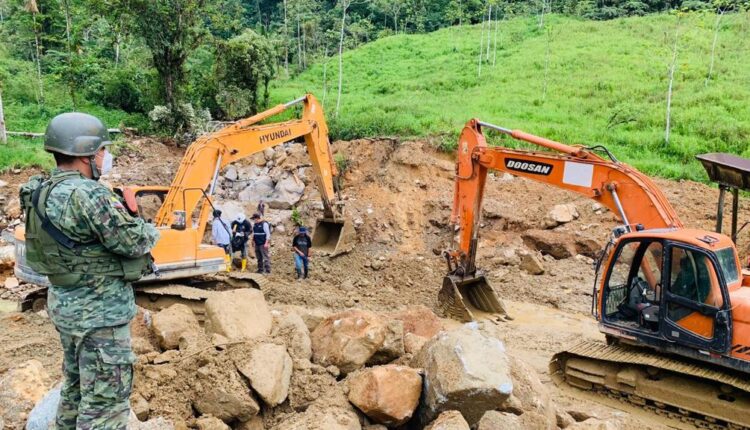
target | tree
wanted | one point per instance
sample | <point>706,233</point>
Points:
<point>171,29</point>
<point>3,135</point>
<point>344,6</point>
<point>671,70</point>
<point>244,66</point>
<point>719,15</point>
<point>721,7</point>
<point>31,7</point>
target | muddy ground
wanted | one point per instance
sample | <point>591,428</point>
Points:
<point>400,195</point>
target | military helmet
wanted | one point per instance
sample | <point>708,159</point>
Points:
<point>76,134</point>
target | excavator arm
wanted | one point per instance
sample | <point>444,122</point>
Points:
<point>631,195</point>
<point>198,172</point>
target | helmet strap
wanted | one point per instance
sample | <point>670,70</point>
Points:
<point>95,174</point>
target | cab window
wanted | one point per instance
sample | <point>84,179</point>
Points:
<point>693,277</point>
<point>728,265</point>
<point>635,281</point>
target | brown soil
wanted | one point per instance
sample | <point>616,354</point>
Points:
<point>402,194</point>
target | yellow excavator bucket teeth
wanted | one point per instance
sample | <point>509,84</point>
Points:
<point>333,236</point>
<point>465,299</point>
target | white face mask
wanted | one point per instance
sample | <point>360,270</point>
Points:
<point>107,162</point>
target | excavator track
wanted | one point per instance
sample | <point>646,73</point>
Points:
<point>694,393</point>
<point>158,297</point>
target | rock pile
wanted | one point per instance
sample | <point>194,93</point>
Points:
<point>277,176</point>
<point>253,367</point>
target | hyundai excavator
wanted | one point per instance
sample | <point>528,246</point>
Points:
<point>672,302</point>
<point>184,206</point>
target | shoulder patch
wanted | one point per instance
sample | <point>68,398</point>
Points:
<point>116,203</point>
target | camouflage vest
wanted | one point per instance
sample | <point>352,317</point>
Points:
<point>50,252</point>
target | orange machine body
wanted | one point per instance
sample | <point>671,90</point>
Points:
<point>647,217</point>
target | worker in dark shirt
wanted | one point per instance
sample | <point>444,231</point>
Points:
<point>301,245</point>
<point>241,232</point>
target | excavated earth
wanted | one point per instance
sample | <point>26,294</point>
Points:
<point>399,196</point>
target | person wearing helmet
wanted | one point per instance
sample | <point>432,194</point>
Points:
<point>79,234</point>
<point>220,235</point>
<point>241,231</point>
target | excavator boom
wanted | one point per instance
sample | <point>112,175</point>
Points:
<point>627,192</point>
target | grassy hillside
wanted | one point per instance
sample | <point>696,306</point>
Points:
<point>606,84</point>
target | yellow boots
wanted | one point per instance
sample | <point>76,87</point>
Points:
<point>244,264</point>
<point>228,261</point>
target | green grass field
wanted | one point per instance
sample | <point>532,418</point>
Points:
<point>606,84</point>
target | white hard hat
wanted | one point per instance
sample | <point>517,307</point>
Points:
<point>240,217</point>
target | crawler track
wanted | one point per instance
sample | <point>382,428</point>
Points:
<point>695,393</point>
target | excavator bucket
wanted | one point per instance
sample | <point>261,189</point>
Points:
<point>467,298</point>
<point>333,236</point>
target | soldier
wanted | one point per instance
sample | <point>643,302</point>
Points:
<point>80,235</point>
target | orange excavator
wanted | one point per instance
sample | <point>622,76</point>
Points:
<point>672,302</point>
<point>184,206</point>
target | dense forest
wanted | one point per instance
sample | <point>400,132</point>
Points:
<point>169,66</point>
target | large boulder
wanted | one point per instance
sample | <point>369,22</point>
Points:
<point>393,344</point>
<point>560,214</point>
<point>290,328</point>
<point>172,323</point>
<point>260,189</point>
<point>387,394</point>
<point>221,392</point>
<point>231,173</point>
<point>312,317</point>
<point>419,320</point>
<point>208,422</point>
<point>255,423</point>
<point>449,420</point>
<point>308,386</point>
<point>238,314</point>
<point>557,244</point>
<point>348,339</point>
<point>530,400</point>
<point>465,370</point>
<point>287,193</point>
<point>494,420</point>
<point>229,210</point>
<point>158,423</point>
<point>269,370</point>
<point>531,262</point>
<point>322,417</point>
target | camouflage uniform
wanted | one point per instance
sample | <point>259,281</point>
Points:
<point>92,312</point>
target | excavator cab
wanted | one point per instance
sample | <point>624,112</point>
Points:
<point>671,287</point>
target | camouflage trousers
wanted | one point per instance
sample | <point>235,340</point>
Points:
<point>98,372</point>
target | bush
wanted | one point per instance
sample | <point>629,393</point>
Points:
<point>185,121</point>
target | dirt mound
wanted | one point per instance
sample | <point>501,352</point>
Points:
<point>398,195</point>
